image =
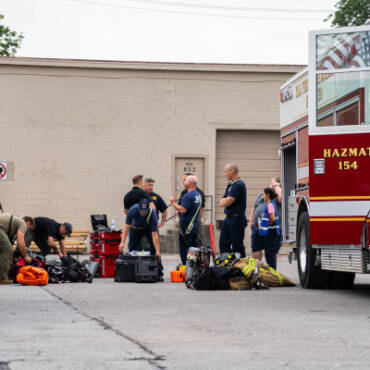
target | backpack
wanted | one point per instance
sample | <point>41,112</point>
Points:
<point>214,278</point>
<point>75,271</point>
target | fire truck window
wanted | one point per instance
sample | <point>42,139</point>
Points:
<point>326,121</point>
<point>348,116</point>
<point>342,50</point>
<point>343,99</point>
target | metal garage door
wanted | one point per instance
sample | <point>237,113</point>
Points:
<point>256,155</point>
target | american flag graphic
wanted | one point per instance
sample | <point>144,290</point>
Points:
<point>343,50</point>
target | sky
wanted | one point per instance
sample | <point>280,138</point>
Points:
<point>190,31</point>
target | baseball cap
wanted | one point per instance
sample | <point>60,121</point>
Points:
<point>68,227</point>
<point>144,206</point>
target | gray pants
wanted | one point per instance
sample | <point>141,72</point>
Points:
<point>6,255</point>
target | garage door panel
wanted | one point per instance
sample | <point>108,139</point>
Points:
<point>255,153</point>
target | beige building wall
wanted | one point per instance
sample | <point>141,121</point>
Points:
<point>75,132</point>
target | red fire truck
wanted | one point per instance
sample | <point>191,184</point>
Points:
<point>325,151</point>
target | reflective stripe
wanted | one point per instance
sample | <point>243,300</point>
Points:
<point>339,208</point>
<point>251,266</point>
<point>148,217</point>
<point>274,272</point>
<point>191,224</point>
<point>246,270</point>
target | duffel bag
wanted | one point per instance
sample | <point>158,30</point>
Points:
<point>29,275</point>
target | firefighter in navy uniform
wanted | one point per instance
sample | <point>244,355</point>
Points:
<point>189,209</point>
<point>182,244</point>
<point>142,221</point>
<point>234,202</point>
<point>158,201</point>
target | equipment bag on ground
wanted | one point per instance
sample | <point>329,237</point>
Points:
<point>29,275</point>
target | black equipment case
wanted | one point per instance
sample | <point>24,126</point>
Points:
<point>140,269</point>
<point>147,269</point>
<point>125,268</point>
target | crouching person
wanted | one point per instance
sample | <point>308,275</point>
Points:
<point>44,231</point>
<point>11,228</point>
<point>142,221</point>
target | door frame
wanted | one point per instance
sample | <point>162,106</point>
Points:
<point>205,157</point>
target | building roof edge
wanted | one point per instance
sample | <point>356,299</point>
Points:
<point>164,66</point>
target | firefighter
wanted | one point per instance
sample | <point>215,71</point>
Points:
<point>234,202</point>
<point>11,227</point>
<point>189,210</point>
<point>142,221</point>
<point>158,201</point>
<point>182,244</point>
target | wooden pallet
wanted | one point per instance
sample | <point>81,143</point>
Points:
<point>76,243</point>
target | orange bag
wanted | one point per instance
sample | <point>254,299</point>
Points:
<point>178,276</point>
<point>30,275</point>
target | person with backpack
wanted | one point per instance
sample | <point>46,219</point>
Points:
<point>142,221</point>
<point>11,227</point>
<point>189,210</point>
<point>269,227</point>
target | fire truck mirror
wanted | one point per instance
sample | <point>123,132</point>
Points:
<point>319,166</point>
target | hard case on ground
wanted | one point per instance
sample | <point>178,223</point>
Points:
<point>147,269</point>
<point>125,269</point>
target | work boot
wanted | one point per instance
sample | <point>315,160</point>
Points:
<point>6,281</point>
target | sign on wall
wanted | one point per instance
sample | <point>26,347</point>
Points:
<point>3,171</point>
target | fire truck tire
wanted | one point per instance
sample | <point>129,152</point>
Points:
<point>341,280</point>
<point>311,276</point>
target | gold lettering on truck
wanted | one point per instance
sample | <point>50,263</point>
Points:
<point>344,153</point>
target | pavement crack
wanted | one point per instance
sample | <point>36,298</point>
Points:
<point>152,361</point>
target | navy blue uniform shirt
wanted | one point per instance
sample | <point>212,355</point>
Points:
<point>191,201</point>
<point>237,190</point>
<point>134,218</point>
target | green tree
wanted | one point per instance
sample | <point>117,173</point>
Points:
<point>350,13</point>
<point>10,41</point>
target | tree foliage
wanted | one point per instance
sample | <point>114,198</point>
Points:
<point>10,41</point>
<point>350,13</point>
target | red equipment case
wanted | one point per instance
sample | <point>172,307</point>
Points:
<point>107,266</point>
<point>104,249</point>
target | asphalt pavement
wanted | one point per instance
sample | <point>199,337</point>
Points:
<point>107,325</point>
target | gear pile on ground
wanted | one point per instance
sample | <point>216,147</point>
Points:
<point>59,270</point>
<point>232,272</point>
<point>67,269</point>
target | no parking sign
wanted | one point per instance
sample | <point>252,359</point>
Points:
<point>3,171</point>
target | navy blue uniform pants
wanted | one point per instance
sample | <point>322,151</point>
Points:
<point>232,234</point>
<point>187,240</point>
<point>134,243</point>
<point>270,243</point>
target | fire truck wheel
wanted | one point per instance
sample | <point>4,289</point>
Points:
<point>311,276</point>
<point>341,280</point>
